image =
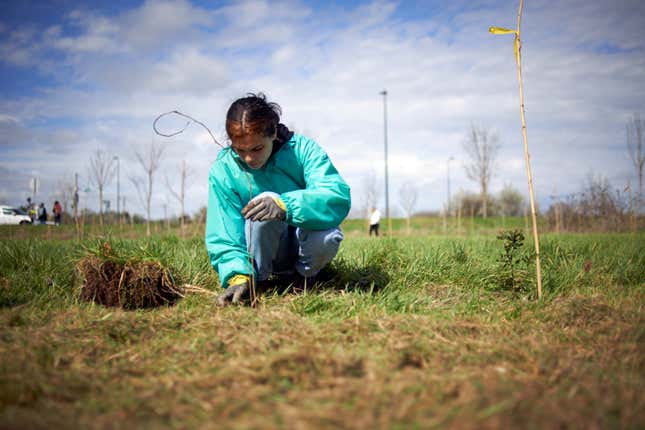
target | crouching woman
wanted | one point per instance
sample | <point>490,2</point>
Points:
<point>275,202</point>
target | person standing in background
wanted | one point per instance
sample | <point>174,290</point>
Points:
<point>58,211</point>
<point>42,214</point>
<point>30,209</point>
<point>375,219</point>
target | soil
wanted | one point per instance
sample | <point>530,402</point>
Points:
<point>129,286</point>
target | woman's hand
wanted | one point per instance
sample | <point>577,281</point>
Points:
<point>264,208</point>
<point>234,294</point>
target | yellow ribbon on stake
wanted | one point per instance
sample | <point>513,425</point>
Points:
<point>501,30</point>
<point>516,44</point>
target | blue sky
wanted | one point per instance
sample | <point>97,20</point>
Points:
<point>79,76</point>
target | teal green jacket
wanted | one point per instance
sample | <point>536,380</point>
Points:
<point>316,197</point>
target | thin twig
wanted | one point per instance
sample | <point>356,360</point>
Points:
<point>248,250</point>
<point>118,289</point>
<point>248,177</point>
<point>176,112</point>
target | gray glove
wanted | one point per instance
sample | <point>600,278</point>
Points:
<point>263,208</point>
<point>233,294</point>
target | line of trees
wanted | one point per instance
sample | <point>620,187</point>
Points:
<point>598,206</point>
<point>508,202</point>
<point>101,172</point>
<point>597,200</point>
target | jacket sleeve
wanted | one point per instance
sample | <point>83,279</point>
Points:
<point>325,201</point>
<point>225,237</point>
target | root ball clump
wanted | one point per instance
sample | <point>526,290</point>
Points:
<point>130,285</point>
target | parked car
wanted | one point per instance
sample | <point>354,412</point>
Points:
<point>9,215</point>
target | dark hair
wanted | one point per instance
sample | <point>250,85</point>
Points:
<point>252,114</point>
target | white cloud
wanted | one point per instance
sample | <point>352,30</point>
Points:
<point>159,22</point>
<point>258,24</point>
<point>148,27</point>
<point>19,47</point>
<point>189,72</point>
<point>98,35</point>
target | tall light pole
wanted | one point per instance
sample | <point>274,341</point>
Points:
<point>387,193</point>
<point>448,183</point>
<point>118,185</point>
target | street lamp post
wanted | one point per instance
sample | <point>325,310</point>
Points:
<point>387,193</point>
<point>448,183</point>
<point>118,199</point>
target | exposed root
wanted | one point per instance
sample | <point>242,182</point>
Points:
<point>197,290</point>
<point>128,286</point>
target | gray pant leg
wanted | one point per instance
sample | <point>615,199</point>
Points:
<point>264,244</point>
<point>316,248</point>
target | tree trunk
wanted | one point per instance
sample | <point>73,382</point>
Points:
<point>472,219</point>
<point>183,191</point>
<point>484,199</point>
<point>148,204</point>
<point>101,205</point>
<point>640,190</point>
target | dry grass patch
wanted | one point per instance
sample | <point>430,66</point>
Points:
<point>578,362</point>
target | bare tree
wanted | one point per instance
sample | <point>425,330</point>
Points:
<point>635,148</point>
<point>181,194</point>
<point>101,172</point>
<point>511,202</point>
<point>370,186</point>
<point>65,190</point>
<point>598,206</point>
<point>481,146</point>
<point>149,160</point>
<point>408,194</point>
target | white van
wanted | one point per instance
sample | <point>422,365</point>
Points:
<point>9,215</point>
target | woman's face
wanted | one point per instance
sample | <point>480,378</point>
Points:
<point>253,149</point>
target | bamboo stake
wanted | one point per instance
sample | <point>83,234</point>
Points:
<point>518,61</point>
<point>249,260</point>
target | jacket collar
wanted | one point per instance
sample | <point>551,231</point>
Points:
<point>283,135</point>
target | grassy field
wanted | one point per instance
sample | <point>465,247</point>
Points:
<point>434,226</point>
<point>418,331</point>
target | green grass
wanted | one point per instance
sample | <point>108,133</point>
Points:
<point>410,332</point>
<point>437,225</point>
<point>352,227</point>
